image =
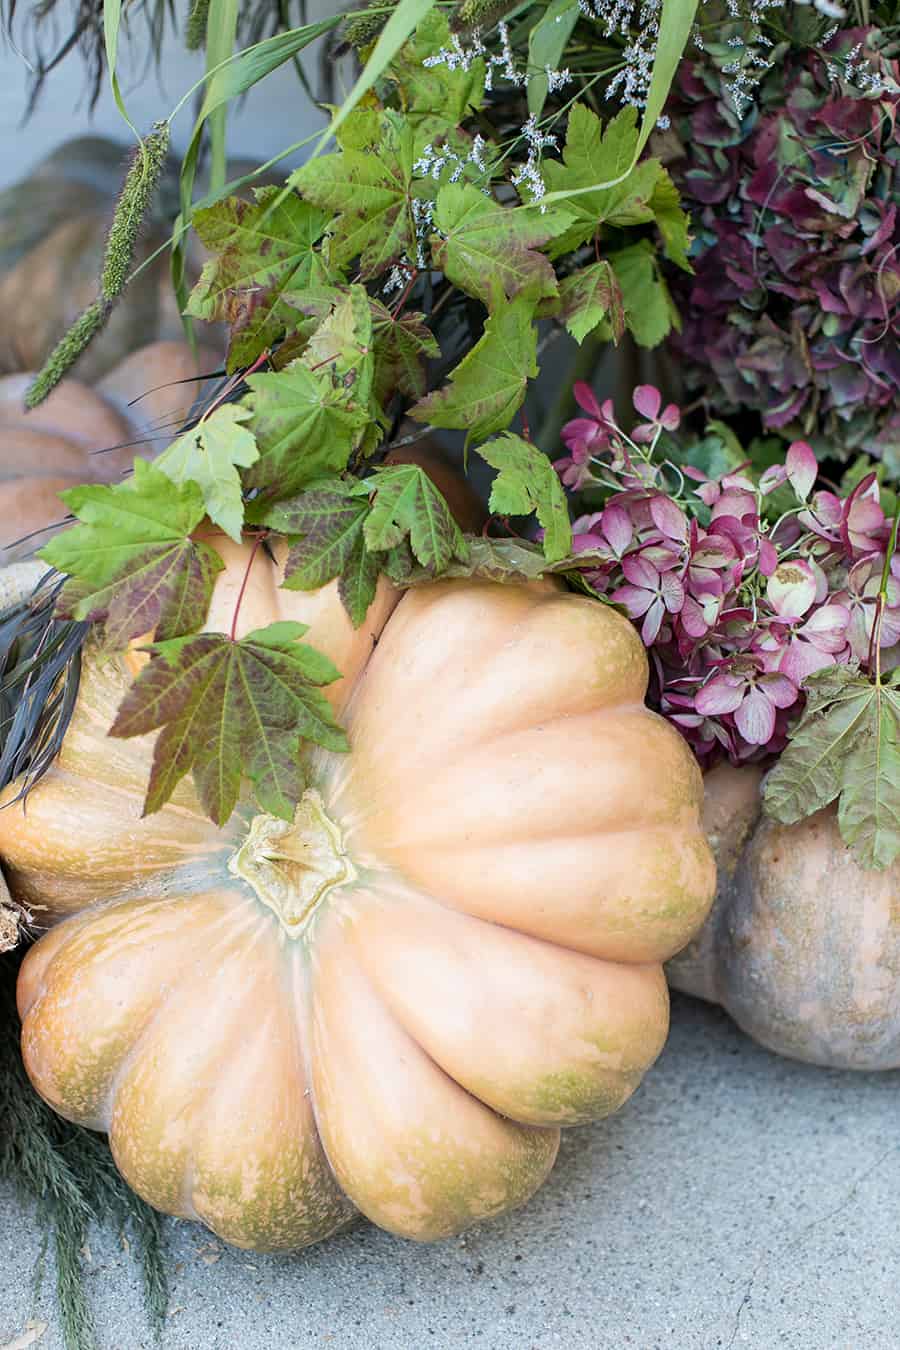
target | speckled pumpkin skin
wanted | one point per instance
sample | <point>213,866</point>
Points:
<point>520,851</point>
<point>802,946</point>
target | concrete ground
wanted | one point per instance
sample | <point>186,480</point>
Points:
<point>738,1200</point>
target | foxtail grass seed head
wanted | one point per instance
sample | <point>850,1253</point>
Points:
<point>195,32</point>
<point>67,351</point>
<point>360,30</point>
<point>479,13</point>
<point>131,208</point>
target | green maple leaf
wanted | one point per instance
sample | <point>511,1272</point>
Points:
<point>846,746</point>
<point>649,312</point>
<point>260,253</point>
<point>342,342</point>
<point>526,481</point>
<point>594,155</point>
<point>440,95</point>
<point>131,561</point>
<point>369,191</point>
<point>305,426</point>
<point>501,560</point>
<point>401,345</point>
<point>671,221</point>
<point>489,250</point>
<point>210,456</point>
<point>590,296</point>
<point>327,540</point>
<point>229,709</point>
<point>488,386</point>
<point>407,506</point>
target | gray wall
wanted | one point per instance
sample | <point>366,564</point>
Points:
<point>271,117</point>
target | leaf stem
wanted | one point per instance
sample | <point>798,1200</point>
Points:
<point>233,383</point>
<point>413,276</point>
<point>881,602</point>
<point>237,608</point>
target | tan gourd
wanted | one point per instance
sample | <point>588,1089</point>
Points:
<point>392,1005</point>
<point>53,227</point>
<point>802,946</point>
<point>82,434</point>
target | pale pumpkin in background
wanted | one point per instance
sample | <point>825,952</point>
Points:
<point>802,946</point>
<point>53,226</point>
<point>391,1005</point>
<point>82,434</point>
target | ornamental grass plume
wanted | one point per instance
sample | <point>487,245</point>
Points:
<point>736,602</point>
<point>794,308</point>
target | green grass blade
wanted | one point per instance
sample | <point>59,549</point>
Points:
<point>675,25</point>
<point>546,43</point>
<point>234,76</point>
<point>221,33</point>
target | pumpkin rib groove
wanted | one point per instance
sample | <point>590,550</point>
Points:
<point>229,919</point>
<point>139,910</point>
<point>522,1132</point>
<point>458,927</point>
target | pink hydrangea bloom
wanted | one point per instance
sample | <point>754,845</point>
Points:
<point>735,613</point>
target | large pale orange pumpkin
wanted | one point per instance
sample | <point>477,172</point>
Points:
<point>392,1004</point>
<point>803,945</point>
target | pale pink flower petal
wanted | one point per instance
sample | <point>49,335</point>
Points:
<point>617,527</point>
<point>647,401</point>
<point>792,588</point>
<point>672,592</point>
<point>802,658</point>
<point>668,517</point>
<point>772,478</point>
<point>755,718</point>
<point>723,694</point>
<point>802,469</point>
<point>653,622</point>
<point>779,690</point>
<point>639,571</point>
<point>768,557</point>
<point>587,399</point>
<point>636,599</point>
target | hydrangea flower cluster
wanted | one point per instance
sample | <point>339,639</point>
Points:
<point>794,309</point>
<point>735,604</point>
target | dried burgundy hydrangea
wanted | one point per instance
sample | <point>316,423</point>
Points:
<point>794,308</point>
<point>735,609</point>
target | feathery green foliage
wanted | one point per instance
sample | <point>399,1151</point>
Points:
<point>68,1172</point>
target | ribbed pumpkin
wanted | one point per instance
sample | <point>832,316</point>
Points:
<point>802,946</point>
<point>53,226</point>
<point>392,1004</point>
<point>56,445</point>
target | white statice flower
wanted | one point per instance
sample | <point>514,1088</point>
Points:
<point>477,153</point>
<point>396,278</point>
<point>423,221</point>
<point>432,162</point>
<point>556,79</point>
<point>528,175</point>
<point>506,60</point>
<point>456,56</point>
